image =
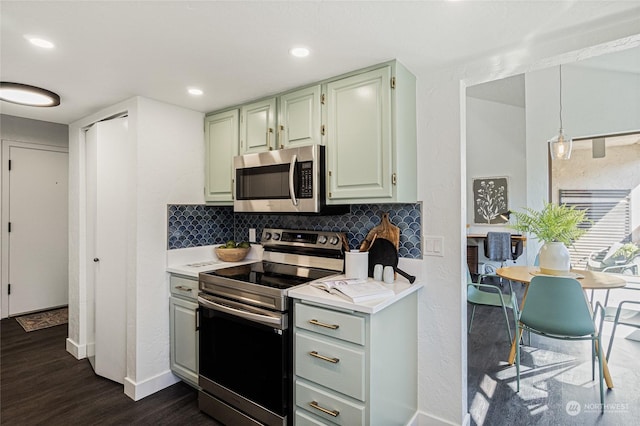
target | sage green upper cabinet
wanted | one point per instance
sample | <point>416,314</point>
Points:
<point>299,117</point>
<point>257,126</point>
<point>370,137</point>
<point>221,145</point>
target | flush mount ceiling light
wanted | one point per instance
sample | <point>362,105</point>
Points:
<point>560,145</point>
<point>40,42</point>
<point>195,91</point>
<point>299,52</point>
<point>24,94</point>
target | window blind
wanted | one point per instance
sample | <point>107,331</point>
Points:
<point>610,216</point>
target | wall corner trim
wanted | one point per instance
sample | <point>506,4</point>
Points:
<point>139,390</point>
<point>75,349</point>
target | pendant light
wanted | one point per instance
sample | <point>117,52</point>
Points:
<point>560,145</point>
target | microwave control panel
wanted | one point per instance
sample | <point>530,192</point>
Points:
<point>306,180</point>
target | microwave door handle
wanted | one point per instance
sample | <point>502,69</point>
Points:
<point>292,189</point>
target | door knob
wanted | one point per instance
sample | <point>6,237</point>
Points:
<point>95,259</point>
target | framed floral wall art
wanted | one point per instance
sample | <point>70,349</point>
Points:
<point>490,198</point>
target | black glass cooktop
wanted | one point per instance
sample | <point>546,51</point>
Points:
<point>269,274</point>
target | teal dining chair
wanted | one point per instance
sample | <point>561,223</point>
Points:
<point>557,307</point>
<point>480,294</point>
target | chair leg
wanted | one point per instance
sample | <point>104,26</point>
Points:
<point>601,372</point>
<point>613,335</point>
<point>518,359</point>
<point>506,318</point>
<point>593,359</point>
<point>473,312</point>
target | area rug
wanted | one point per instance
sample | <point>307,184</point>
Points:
<point>40,320</point>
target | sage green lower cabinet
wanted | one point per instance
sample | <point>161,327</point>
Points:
<point>353,368</point>
<point>183,312</point>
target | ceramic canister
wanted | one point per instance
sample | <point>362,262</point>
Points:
<point>356,264</point>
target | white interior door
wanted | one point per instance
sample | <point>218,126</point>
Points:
<point>38,248</point>
<point>106,244</point>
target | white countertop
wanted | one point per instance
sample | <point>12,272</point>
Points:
<point>400,287</point>
<point>191,261</point>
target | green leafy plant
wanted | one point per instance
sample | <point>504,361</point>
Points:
<point>627,251</point>
<point>554,223</point>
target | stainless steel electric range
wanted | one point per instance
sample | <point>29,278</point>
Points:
<point>245,337</point>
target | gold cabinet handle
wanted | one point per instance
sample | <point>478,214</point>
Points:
<point>269,132</point>
<point>321,324</point>
<point>280,135</point>
<point>324,358</point>
<point>334,413</point>
<point>183,288</point>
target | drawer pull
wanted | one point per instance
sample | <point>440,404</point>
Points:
<point>334,413</point>
<point>321,324</point>
<point>183,288</point>
<point>324,358</point>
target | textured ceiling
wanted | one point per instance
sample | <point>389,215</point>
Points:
<point>107,52</point>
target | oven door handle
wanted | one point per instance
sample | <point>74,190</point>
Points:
<point>292,170</point>
<point>265,319</point>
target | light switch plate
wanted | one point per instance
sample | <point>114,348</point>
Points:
<point>252,235</point>
<point>433,245</point>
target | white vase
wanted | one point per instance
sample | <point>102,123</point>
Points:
<point>555,259</point>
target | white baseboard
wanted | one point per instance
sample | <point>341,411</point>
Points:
<point>424,419</point>
<point>78,351</point>
<point>137,391</point>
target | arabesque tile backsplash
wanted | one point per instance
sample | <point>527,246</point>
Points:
<point>194,225</point>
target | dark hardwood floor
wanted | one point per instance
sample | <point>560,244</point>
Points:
<point>40,383</point>
<point>555,374</point>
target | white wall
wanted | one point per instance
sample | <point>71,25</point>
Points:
<point>165,166</point>
<point>170,170</point>
<point>33,131</point>
<point>611,103</point>
<point>495,147</point>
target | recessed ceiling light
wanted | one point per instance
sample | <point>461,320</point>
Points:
<point>24,94</point>
<point>40,42</point>
<point>195,91</point>
<point>299,52</point>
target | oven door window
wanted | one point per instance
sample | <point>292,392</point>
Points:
<point>246,357</point>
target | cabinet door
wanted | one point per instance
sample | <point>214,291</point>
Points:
<point>257,126</point>
<point>184,339</point>
<point>358,137</point>
<point>299,118</point>
<point>221,145</point>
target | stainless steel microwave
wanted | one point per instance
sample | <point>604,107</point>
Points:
<point>288,180</point>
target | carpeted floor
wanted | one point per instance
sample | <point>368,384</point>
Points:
<point>46,319</point>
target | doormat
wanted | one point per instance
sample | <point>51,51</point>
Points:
<point>40,320</point>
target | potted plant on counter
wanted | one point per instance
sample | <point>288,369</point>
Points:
<point>556,226</point>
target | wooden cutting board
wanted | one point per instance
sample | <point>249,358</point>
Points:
<point>385,230</point>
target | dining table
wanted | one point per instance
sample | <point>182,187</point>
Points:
<point>589,280</point>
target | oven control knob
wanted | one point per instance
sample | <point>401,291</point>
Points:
<point>276,236</point>
<point>322,239</point>
<point>267,236</point>
<point>334,240</point>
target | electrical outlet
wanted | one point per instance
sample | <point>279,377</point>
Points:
<point>433,245</point>
<point>252,235</point>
